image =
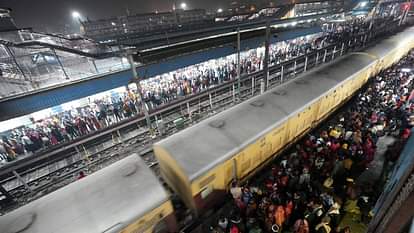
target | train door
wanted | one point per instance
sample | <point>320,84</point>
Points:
<point>308,118</point>
<point>160,227</point>
<point>265,149</point>
<point>231,172</point>
<point>341,93</point>
<point>324,106</point>
<point>294,126</point>
<point>302,121</point>
<point>245,163</point>
<point>268,151</point>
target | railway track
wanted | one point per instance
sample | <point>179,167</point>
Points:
<point>46,178</point>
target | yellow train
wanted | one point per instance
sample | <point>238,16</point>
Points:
<point>125,197</point>
<point>200,162</point>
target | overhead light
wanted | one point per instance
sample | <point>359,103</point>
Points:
<point>183,5</point>
<point>113,23</point>
<point>405,70</point>
<point>76,14</point>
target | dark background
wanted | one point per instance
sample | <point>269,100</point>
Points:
<point>56,15</point>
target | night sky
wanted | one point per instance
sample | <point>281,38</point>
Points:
<point>54,15</point>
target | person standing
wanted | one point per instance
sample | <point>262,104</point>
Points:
<point>323,226</point>
<point>301,226</point>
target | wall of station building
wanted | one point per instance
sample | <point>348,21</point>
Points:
<point>77,90</point>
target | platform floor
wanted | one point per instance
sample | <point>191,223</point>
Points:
<point>373,174</point>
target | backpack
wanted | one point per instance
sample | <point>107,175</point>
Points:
<point>234,229</point>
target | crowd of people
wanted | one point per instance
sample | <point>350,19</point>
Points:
<point>66,126</point>
<point>193,79</point>
<point>316,183</point>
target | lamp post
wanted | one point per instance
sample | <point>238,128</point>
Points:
<point>238,63</point>
<point>136,80</point>
<point>266,58</point>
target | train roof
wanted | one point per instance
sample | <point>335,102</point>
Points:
<point>388,45</point>
<point>201,147</point>
<point>109,199</point>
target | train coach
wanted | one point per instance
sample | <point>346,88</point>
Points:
<point>200,162</point>
<point>125,197</point>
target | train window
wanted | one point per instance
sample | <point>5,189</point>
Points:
<point>207,180</point>
<point>160,227</point>
<point>245,166</point>
<point>229,172</point>
<point>206,191</point>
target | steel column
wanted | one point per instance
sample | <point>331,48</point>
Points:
<point>317,58</point>
<point>11,54</point>
<point>342,49</point>
<point>60,63</point>
<point>120,137</point>
<point>266,58</point>
<point>19,178</point>
<point>238,62</point>
<point>234,92</point>
<point>188,110</point>
<point>294,68</point>
<point>262,86</point>
<point>306,64</point>
<point>136,80</point>
<point>210,98</point>
<point>94,65</point>
<point>253,86</point>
